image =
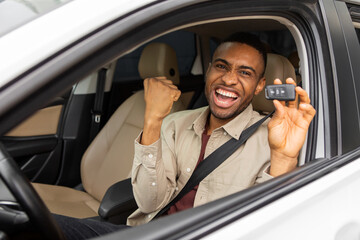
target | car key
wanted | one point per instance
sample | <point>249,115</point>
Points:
<point>281,92</point>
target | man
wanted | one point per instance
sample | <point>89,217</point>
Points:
<point>170,147</point>
<point>167,151</point>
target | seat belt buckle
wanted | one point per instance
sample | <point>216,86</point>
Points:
<point>97,118</point>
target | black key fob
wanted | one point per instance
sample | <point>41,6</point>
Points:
<point>281,92</point>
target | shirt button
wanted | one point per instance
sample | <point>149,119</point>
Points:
<point>177,189</point>
<point>150,155</point>
<point>188,169</point>
<point>154,183</point>
<point>149,216</point>
<point>225,133</point>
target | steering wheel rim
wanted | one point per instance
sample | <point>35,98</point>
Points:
<point>27,197</point>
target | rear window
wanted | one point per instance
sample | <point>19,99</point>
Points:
<point>183,43</point>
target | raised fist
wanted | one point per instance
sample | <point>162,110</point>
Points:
<point>160,94</point>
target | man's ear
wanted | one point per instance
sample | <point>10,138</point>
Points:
<point>260,86</point>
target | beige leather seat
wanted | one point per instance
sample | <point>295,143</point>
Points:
<point>277,67</point>
<point>109,157</point>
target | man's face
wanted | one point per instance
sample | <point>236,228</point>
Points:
<point>233,78</point>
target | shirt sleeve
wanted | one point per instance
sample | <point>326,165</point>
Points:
<point>153,182</point>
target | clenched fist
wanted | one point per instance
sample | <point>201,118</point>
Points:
<point>160,94</point>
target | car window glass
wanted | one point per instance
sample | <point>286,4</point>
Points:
<point>183,43</point>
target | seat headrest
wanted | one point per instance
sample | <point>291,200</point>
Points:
<point>277,67</point>
<point>159,59</point>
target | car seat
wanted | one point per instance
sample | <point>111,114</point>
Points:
<point>109,157</point>
<point>277,67</point>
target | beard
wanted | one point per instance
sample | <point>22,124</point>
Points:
<point>226,114</point>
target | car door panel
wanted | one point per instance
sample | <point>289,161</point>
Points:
<point>35,143</point>
<point>43,122</point>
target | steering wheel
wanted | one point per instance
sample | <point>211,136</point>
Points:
<point>27,197</point>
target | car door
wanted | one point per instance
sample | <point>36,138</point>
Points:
<point>36,144</point>
<point>48,146</point>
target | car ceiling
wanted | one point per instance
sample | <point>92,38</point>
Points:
<point>228,27</point>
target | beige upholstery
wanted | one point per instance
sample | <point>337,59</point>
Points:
<point>67,201</point>
<point>166,64</point>
<point>43,122</point>
<point>109,157</point>
<point>277,67</point>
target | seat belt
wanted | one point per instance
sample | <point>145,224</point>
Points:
<point>98,104</point>
<point>217,157</point>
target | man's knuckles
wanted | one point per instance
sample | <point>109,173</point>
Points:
<point>162,88</point>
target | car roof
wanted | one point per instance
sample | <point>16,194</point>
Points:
<point>30,44</point>
<point>15,13</point>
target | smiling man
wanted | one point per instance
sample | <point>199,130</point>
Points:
<point>170,147</point>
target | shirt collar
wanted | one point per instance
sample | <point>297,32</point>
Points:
<point>234,128</point>
<point>199,124</point>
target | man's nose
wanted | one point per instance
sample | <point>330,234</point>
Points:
<point>230,78</point>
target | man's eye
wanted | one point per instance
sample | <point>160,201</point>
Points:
<point>220,66</point>
<point>245,73</point>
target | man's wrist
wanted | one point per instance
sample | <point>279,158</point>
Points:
<point>151,131</point>
<point>281,163</point>
<point>152,123</point>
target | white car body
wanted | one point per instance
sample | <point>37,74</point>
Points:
<point>324,209</point>
<point>69,23</point>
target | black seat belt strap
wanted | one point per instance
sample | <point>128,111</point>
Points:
<point>98,103</point>
<point>217,157</point>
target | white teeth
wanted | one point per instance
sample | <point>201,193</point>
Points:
<point>226,93</point>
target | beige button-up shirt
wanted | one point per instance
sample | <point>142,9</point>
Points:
<point>162,169</point>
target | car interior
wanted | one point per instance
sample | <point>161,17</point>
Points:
<point>74,176</point>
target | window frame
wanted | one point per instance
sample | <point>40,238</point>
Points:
<point>340,37</point>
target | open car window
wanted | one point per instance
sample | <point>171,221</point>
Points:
<point>194,31</point>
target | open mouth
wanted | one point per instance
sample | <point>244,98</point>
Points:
<point>224,98</point>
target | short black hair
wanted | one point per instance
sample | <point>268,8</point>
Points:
<point>251,40</point>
